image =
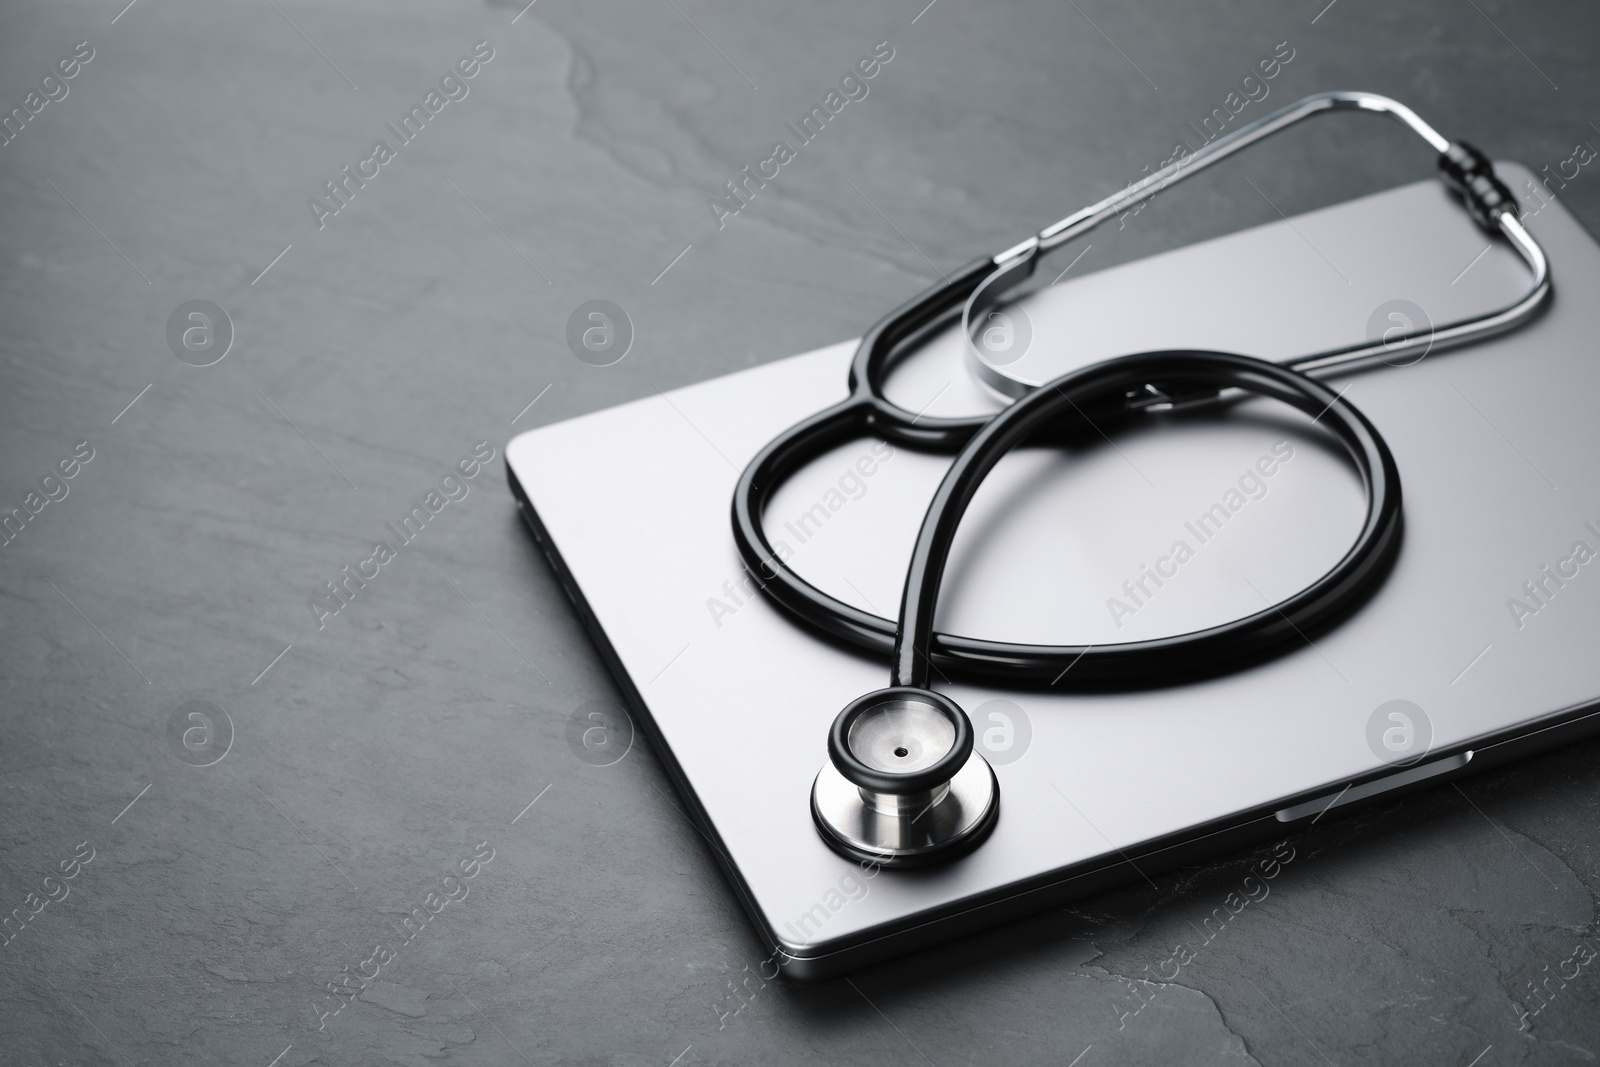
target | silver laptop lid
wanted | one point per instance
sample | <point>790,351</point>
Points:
<point>1495,445</point>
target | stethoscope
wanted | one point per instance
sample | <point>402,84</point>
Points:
<point>903,785</point>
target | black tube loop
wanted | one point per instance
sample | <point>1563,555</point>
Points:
<point>1091,395</point>
<point>1089,390</point>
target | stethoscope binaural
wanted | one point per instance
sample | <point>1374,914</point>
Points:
<point>903,785</point>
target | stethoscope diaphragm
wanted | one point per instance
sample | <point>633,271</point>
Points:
<point>903,784</point>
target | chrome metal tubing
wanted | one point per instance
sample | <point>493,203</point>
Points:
<point>1017,263</point>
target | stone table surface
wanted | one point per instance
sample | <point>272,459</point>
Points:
<point>248,803</point>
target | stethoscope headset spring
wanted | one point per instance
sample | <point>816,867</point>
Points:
<point>903,785</point>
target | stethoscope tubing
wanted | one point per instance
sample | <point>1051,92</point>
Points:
<point>1098,391</point>
<point>1089,393</point>
<point>1014,265</point>
<point>1077,396</point>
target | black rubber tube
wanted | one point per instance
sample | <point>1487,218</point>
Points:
<point>1089,395</point>
<point>1090,389</point>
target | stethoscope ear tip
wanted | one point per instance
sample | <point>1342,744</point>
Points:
<point>903,785</point>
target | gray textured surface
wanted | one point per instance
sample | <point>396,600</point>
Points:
<point>380,750</point>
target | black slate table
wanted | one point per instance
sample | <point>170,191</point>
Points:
<point>221,803</point>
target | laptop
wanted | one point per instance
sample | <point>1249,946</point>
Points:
<point>1477,649</point>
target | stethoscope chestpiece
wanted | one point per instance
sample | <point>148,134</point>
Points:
<point>903,785</point>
